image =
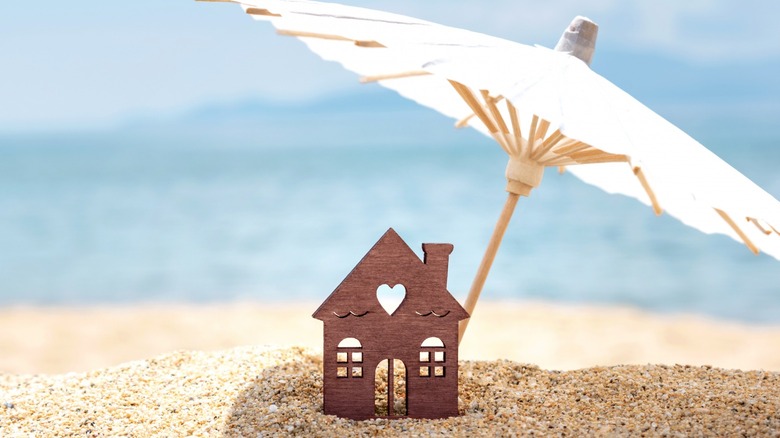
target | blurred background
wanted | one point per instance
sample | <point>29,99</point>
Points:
<point>180,152</point>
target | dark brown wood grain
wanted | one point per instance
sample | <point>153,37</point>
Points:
<point>427,311</point>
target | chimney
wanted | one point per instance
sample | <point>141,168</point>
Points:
<point>437,259</point>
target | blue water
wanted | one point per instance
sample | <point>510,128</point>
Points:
<point>166,216</point>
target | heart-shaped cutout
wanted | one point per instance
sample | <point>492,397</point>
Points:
<point>390,297</point>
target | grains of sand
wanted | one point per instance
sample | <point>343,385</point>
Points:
<point>264,391</point>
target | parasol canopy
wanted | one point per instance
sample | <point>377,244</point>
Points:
<point>545,108</point>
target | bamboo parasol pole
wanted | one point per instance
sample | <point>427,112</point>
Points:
<point>487,259</point>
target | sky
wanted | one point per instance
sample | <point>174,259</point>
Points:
<point>91,64</point>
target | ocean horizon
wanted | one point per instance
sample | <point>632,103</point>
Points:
<point>215,209</point>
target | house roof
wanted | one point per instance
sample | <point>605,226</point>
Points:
<point>390,261</point>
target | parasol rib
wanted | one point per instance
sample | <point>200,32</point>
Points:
<point>566,142</point>
<point>605,158</point>
<point>752,247</point>
<point>471,100</point>
<point>468,96</point>
<point>370,44</point>
<point>399,75</point>
<point>258,11</point>
<point>548,144</point>
<point>563,160</point>
<point>531,136</point>
<point>503,130</point>
<point>301,34</point>
<point>759,226</point>
<point>559,145</point>
<point>491,106</point>
<point>487,260</point>
<point>325,36</point>
<point>588,153</point>
<point>541,130</point>
<point>570,148</point>
<point>515,126</point>
<point>640,174</point>
<point>562,153</point>
<point>462,123</point>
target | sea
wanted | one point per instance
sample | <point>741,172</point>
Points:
<point>254,203</point>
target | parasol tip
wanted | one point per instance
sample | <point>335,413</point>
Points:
<point>579,39</point>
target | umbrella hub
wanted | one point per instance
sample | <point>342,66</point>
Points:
<point>522,175</point>
<point>579,39</point>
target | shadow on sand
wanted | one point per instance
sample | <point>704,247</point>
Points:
<point>280,400</point>
<point>287,399</point>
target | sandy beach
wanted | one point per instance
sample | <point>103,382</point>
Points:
<point>527,368</point>
<point>556,337</point>
<point>261,391</point>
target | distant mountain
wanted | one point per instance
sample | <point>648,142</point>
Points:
<point>368,99</point>
<point>374,116</point>
<point>706,100</point>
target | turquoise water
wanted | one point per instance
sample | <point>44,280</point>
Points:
<point>120,217</point>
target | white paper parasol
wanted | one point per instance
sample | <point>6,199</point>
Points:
<point>545,108</point>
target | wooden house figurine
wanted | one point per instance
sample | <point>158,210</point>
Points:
<point>418,341</point>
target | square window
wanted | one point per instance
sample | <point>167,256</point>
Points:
<point>357,357</point>
<point>425,356</point>
<point>425,371</point>
<point>438,356</point>
<point>438,371</point>
<point>357,371</point>
<point>341,357</point>
<point>341,372</point>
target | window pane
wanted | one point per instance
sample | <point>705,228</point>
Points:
<point>349,343</point>
<point>425,356</point>
<point>438,371</point>
<point>341,371</point>
<point>438,356</point>
<point>357,357</point>
<point>433,342</point>
<point>357,371</point>
<point>425,371</point>
<point>341,357</point>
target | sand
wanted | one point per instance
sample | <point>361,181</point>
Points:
<point>112,371</point>
<point>60,340</point>
<point>263,391</point>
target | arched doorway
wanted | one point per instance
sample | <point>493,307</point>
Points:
<point>390,389</point>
